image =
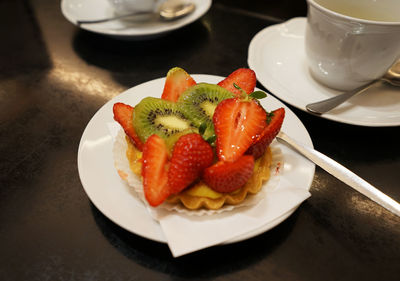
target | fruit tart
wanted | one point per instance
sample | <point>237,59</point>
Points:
<point>200,145</point>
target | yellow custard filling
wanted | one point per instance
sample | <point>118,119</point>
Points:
<point>199,195</point>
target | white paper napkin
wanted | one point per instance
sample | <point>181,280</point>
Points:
<point>186,233</point>
<point>189,233</point>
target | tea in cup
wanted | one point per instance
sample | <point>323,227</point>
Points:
<point>349,43</point>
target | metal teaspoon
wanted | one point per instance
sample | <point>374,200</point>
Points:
<point>321,107</point>
<point>169,10</point>
<point>343,174</point>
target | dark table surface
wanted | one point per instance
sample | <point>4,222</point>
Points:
<point>54,77</point>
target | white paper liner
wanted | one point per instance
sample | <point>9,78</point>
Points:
<point>122,165</point>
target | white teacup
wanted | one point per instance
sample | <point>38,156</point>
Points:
<point>129,6</point>
<point>351,42</point>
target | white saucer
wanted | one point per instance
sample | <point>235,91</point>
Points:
<point>75,10</point>
<point>111,195</point>
<point>277,55</point>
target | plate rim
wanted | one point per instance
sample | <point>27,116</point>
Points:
<point>206,4</point>
<point>161,239</point>
<point>276,89</point>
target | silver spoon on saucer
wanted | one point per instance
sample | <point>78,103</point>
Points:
<point>392,77</point>
<point>169,10</point>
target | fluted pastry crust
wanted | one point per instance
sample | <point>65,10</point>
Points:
<point>254,185</point>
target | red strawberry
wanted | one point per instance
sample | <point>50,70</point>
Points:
<point>237,124</point>
<point>229,176</point>
<point>177,81</point>
<point>245,78</point>
<point>154,172</point>
<point>190,156</point>
<point>123,115</point>
<point>274,124</point>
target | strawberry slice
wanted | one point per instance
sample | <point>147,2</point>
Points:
<point>229,176</point>
<point>274,124</point>
<point>123,115</point>
<point>237,123</point>
<point>177,81</point>
<point>154,172</point>
<point>190,156</point>
<point>245,78</point>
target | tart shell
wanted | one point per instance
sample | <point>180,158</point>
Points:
<point>128,165</point>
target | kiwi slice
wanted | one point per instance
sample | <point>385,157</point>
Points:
<point>198,104</point>
<point>161,117</point>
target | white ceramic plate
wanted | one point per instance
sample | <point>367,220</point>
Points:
<point>112,196</point>
<point>277,55</point>
<point>75,10</point>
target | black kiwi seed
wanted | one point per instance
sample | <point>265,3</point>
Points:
<point>157,116</point>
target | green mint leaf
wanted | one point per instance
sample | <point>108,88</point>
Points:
<point>258,95</point>
<point>244,94</point>
<point>269,116</point>
<point>202,128</point>
<point>236,86</point>
<point>211,139</point>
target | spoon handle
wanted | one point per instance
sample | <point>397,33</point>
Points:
<point>324,106</point>
<point>79,22</point>
<point>343,174</point>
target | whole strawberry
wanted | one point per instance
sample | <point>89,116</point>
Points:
<point>190,156</point>
<point>229,176</point>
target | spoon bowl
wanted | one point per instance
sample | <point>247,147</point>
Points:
<point>169,10</point>
<point>392,76</point>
